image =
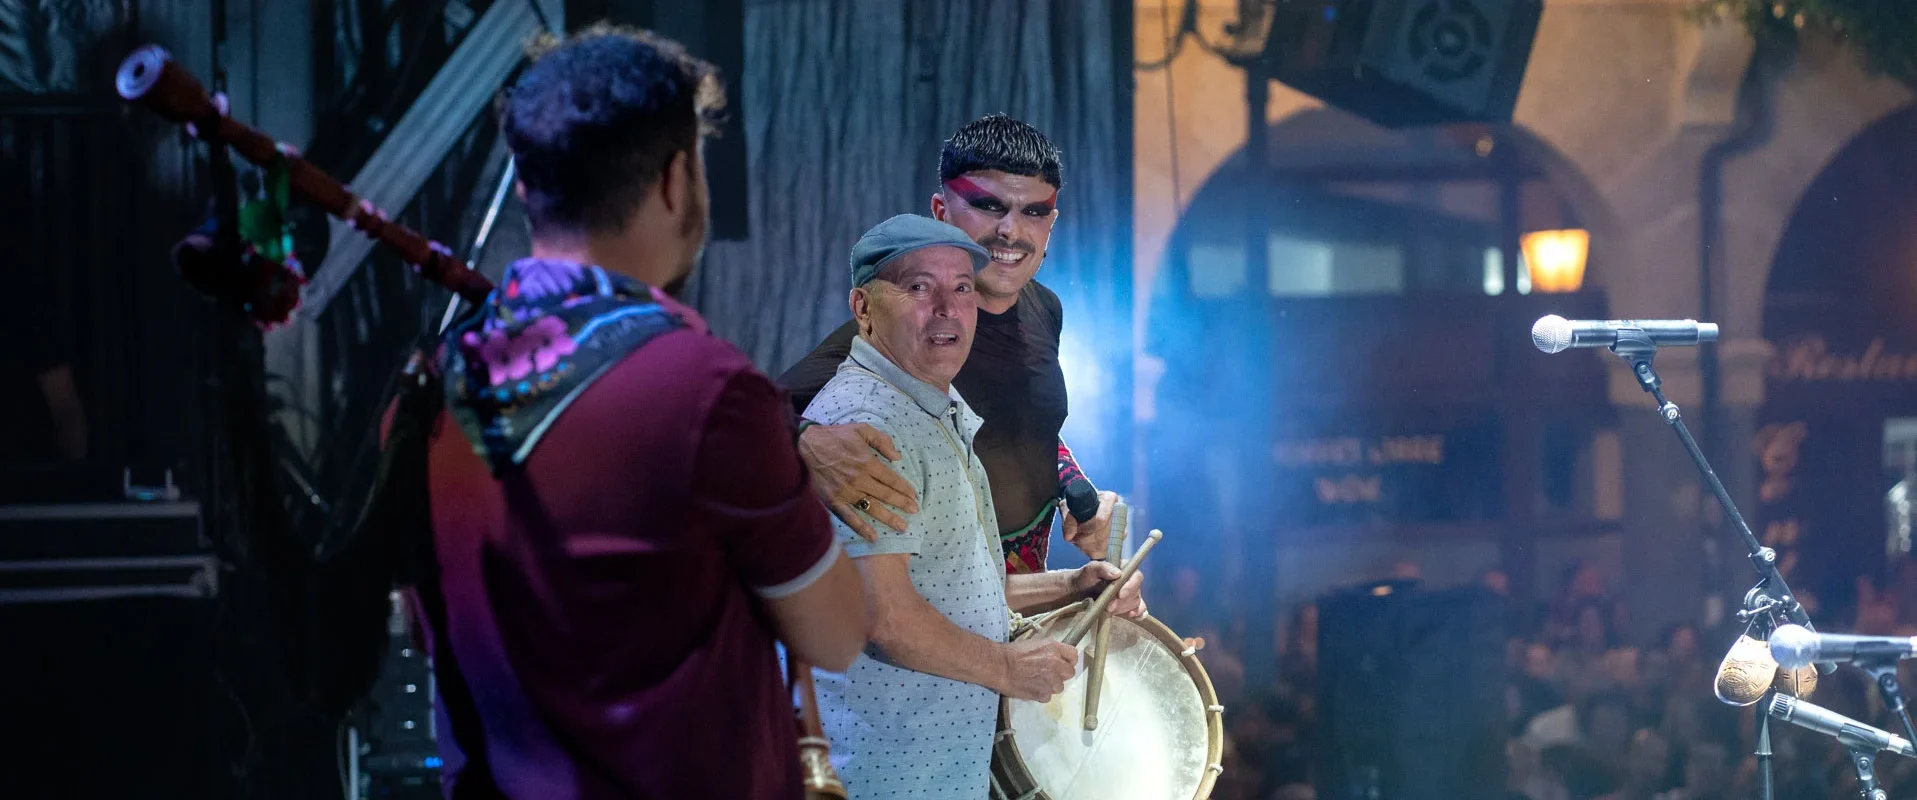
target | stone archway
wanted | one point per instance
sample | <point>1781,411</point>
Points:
<point>1837,308</point>
<point>1262,357</point>
<point>1823,103</point>
<point>1322,141</point>
<point>1818,104</point>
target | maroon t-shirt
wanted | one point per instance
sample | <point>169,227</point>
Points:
<point>601,634</point>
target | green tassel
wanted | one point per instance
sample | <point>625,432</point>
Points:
<point>265,223</point>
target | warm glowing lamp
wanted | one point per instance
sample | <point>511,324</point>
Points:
<point>1556,259</point>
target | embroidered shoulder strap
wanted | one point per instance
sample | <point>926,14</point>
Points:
<point>542,338</point>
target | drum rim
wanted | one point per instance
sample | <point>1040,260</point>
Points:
<point>1214,712</point>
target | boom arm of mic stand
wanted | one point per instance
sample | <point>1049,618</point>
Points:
<point>1639,352</point>
<point>1885,672</point>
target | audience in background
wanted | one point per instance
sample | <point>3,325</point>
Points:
<point>1592,717</point>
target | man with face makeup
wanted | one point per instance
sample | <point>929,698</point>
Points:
<point>999,180</point>
<point>915,713</point>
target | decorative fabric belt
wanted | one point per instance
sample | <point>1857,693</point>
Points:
<point>1025,548</point>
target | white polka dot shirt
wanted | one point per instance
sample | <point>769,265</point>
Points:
<point>896,733</point>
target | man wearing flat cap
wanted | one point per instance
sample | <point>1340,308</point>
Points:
<point>915,714</point>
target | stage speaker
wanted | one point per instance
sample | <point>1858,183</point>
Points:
<point>1406,62</point>
<point>1410,693</point>
<point>713,30</point>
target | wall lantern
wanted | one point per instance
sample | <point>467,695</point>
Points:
<point>1556,259</point>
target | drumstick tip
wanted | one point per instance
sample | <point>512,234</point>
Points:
<point>1157,534</point>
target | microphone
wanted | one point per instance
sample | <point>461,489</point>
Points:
<point>1555,334</point>
<point>1795,646</point>
<point>1853,734</point>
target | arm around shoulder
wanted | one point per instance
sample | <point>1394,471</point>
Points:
<point>855,460</point>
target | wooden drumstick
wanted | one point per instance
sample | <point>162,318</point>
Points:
<point>1102,633</point>
<point>1084,624</point>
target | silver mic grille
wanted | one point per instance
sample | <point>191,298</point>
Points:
<point>1552,334</point>
<point>1793,646</point>
<point>1783,706</point>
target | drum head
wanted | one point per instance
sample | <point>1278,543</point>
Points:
<point>1153,738</point>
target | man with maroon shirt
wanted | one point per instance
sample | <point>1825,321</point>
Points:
<point>621,523</point>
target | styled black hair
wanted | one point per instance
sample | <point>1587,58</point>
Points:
<point>998,142</point>
<point>596,118</point>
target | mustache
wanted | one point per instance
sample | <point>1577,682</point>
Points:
<point>998,243</point>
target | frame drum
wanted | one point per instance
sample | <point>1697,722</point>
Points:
<point>1160,728</point>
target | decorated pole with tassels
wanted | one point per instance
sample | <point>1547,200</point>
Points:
<point>150,77</point>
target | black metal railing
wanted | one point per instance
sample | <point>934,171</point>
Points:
<point>377,62</point>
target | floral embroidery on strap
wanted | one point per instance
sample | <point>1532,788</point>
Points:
<point>549,331</point>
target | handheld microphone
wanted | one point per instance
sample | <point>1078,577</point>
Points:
<point>1555,334</point>
<point>1795,646</point>
<point>1855,735</point>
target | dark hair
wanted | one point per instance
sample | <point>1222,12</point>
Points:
<point>1669,634</point>
<point>998,142</point>
<point>595,120</point>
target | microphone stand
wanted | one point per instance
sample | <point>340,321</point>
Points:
<point>1885,673</point>
<point>1771,597</point>
<point>1758,617</point>
<point>1865,760</point>
<point>1765,787</point>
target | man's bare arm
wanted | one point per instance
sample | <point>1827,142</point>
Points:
<point>818,623</point>
<point>1043,591</point>
<point>914,635</point>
